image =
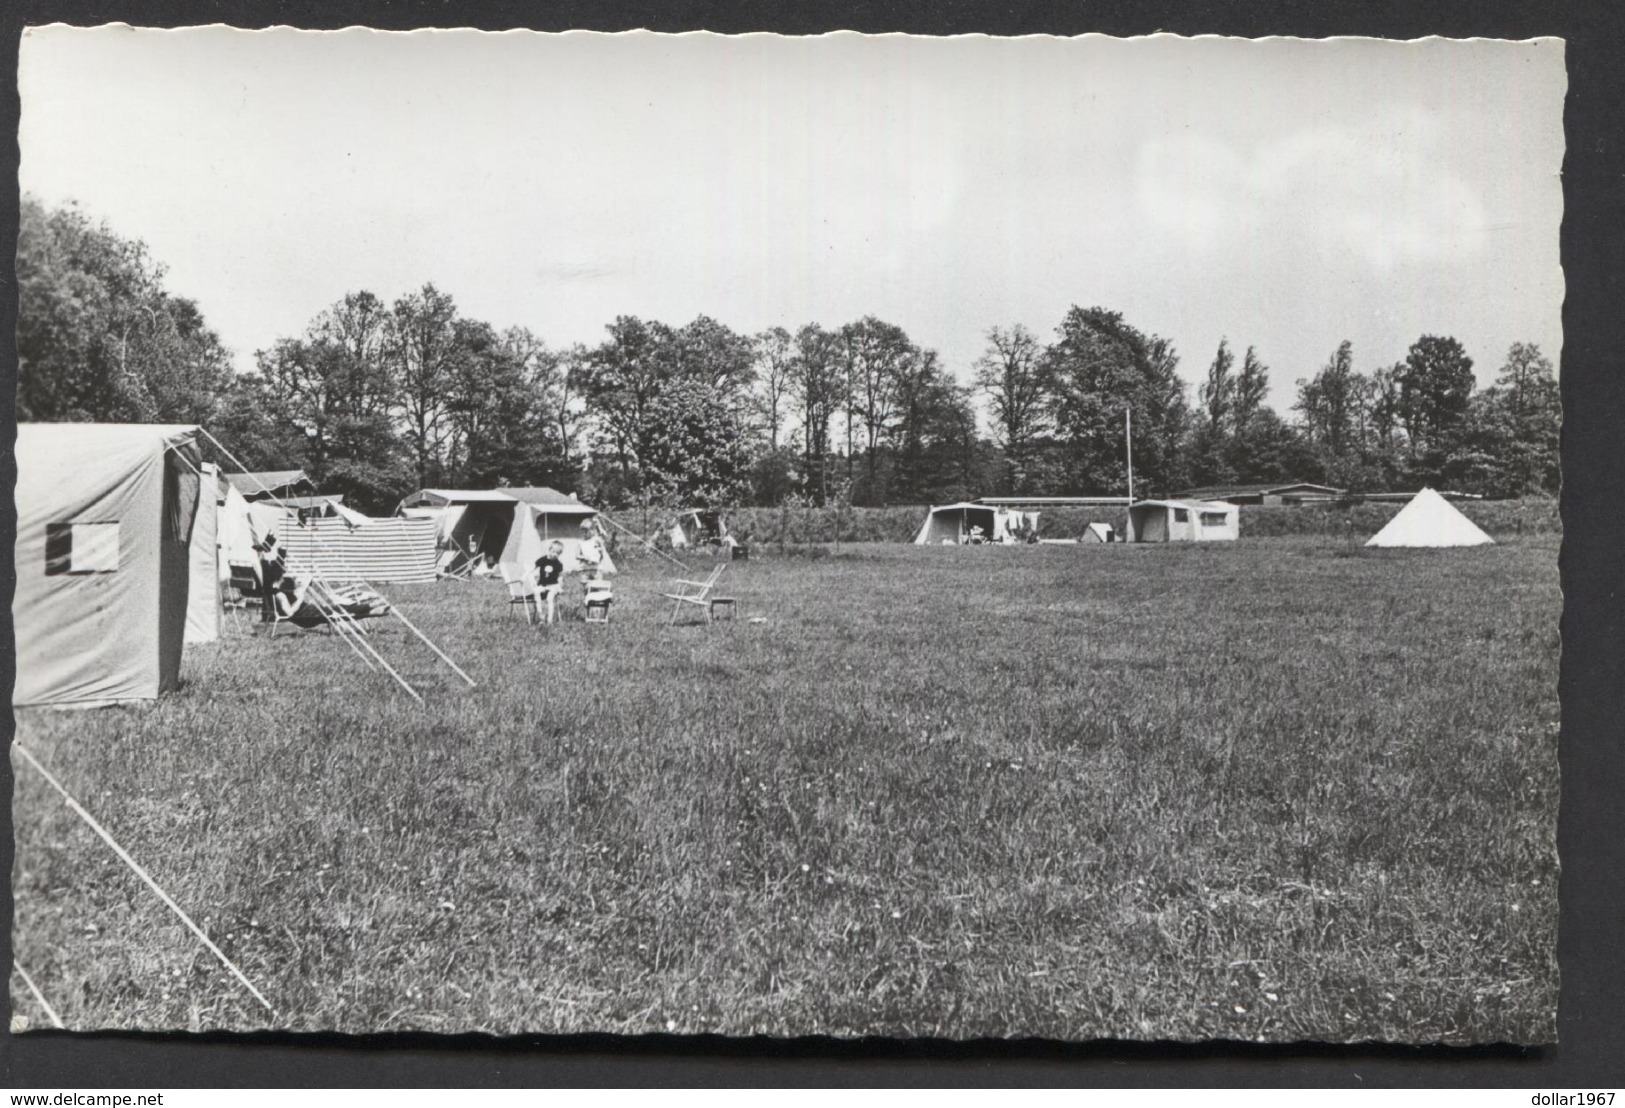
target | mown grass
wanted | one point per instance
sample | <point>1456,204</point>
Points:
<point>1282,789</point>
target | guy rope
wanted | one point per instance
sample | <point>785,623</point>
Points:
<point>135,867</point>
<point>357,639</point>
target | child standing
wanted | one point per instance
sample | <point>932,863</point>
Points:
<point>549,573</point>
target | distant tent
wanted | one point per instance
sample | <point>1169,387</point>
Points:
<point>952,524</point>
<point>694,526</point>
<point>1183,521</point>
<point>203,590</point>
<point>479,524</point>
<point>1430,520</point>
<point>557,517</point>
<point>104,528</point>
<point>473,522</point>
<point>1099,532</point>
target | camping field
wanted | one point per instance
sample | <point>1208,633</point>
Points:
<point>1282,789</point>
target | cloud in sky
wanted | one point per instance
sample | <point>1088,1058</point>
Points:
<point>1282,193</point>
<point>1382,190</point>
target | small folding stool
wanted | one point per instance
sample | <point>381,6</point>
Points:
<point>597,596</point>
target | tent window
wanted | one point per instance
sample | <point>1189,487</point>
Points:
<point>1181,515</point>
<point>1212,519</point>
<point>81,548</point>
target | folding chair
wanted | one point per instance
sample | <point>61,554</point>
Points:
<point>698,594</point>
<point>539,604</point>
<point>319,606</point>
<point>245,595</point>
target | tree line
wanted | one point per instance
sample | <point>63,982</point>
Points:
<point>375,399</point>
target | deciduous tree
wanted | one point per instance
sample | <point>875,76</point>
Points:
<point>1011,373</point>
<point>818,384</point>
<point>423,344</point>
<point>1435,387</point>
<point>1100,367</point>
<point>98,335</point>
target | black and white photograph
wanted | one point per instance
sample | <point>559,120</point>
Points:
<point>948,538</point>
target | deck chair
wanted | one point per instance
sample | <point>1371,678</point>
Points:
<point>539,605</point>
<point>317,605</point>
<point>699,594</point>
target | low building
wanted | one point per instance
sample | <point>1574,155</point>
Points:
<point>1298,493</point>
<point>1183,521</point>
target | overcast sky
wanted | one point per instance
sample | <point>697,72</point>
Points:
<point>1283,193</point>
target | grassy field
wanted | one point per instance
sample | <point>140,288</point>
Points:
<point>1279,789</point>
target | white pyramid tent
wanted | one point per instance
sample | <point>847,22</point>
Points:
<point>1429,520</point>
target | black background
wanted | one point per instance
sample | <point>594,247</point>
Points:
<point>1591,834</point>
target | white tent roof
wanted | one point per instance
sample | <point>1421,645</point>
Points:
<point>432,498</point>
<point>1191,505</point>
<point>1430,520</point>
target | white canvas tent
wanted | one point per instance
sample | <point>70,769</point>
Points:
<point>483,524</point>
<point>1183,521</point>
<point>234,532</point>
<point>103,550</point>
<point>693,526</point>
<point>203,590</point>
<point>557,517</point>
<point>1429,520</point>
<point>952,524</point>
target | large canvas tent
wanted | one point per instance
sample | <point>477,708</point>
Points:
<point>1183,521</point>
<point>1429,520</point>
<point>480,525</point>
<point>104,528</point>
<point>952,524</point>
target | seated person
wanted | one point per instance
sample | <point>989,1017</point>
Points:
<point>289,595</point>
<point>296,604</point>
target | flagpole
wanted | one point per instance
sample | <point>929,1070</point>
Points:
<point>1128,448</point>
